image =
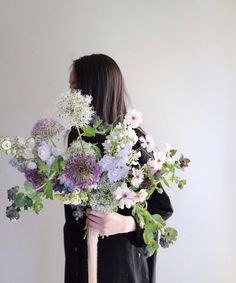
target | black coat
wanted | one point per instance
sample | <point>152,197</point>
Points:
<point>121,257</point>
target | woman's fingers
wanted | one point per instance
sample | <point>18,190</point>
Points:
<point>96,213</point>
<point>94,218</point>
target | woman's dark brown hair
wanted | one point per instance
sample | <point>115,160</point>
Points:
<point>100,76</point>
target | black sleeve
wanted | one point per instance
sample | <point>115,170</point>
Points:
<point>157,204</point>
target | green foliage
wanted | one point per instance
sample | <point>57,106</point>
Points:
<point>89,131</point>
<point>151,224</point>
<point>58,165</point>
<point>48,191</point>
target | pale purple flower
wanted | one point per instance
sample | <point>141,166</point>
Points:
<point>46,129</point>
<point>82,170</point>
<point>115,166</point>
<point>44,151</point>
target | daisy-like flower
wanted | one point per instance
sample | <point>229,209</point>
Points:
<point>74,109</point>
<point>156,164</point>
<point>82,170</point>
<point>141,196</point>
<point>148,143</point>
<point>125,196</point>
<point>46,129</point>
<point>6,145</point>
<point>133,118</point>
<point>137,177</point>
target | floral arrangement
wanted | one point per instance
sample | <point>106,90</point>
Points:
<point>83,177</point>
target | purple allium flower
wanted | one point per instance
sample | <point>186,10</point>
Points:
<point>35,178</point>
<point>45,129</point>
<point>82,170</point>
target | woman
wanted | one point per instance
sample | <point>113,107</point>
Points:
<point>121,255</point>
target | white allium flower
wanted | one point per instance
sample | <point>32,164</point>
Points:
<point>44,151</point>
<point>133,118</point>
<point>74,109</point>
<point>31,165</point>
<point>137,177</point>
<point>6,145</point>
<point>148,143</point>
<point>125,196</point>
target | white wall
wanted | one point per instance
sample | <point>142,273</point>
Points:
<point>178,60</point>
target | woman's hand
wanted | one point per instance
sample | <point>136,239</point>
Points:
<point>110,223</point>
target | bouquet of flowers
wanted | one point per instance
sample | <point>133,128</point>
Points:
<point>83,177</point>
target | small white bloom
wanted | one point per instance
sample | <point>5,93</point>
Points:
<point>125,196</point>
<point>44,151</point>
<point>6,145</point>
<point>20,140</point>
<point>31,165</point>
<point>147,143</point>
<point>137,177</point>
<point>133,118</point>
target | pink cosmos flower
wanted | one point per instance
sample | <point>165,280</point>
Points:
<point>125,196</point>
<point>147,142</point>
<point>134,118</point>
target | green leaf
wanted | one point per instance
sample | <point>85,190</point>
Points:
<point>20,200</point>
<point>96,150</point>
<point>89,131</point>
<point>58,164</point>
<point>43,168</point>
<point>165,181</point>
<point>97,123</point>
<point>48,191</point>
<point>30,192</point>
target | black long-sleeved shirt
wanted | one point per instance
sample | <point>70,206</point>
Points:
<point>121,257</point>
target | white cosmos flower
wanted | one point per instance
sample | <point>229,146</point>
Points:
<point>137,177</point>
<point>147,142</point>
<point>133,118</point>
<point>125,196</point>
<point>6,145</point>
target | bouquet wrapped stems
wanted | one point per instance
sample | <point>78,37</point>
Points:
<point>92,243</point>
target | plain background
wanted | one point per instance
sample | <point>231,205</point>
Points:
<point>178,60</point>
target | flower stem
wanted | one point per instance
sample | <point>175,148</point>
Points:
<point>80,140</point>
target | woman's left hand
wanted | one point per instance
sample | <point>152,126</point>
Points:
<point>110,223</point>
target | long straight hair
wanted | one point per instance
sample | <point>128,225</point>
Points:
<point>99,76</point>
